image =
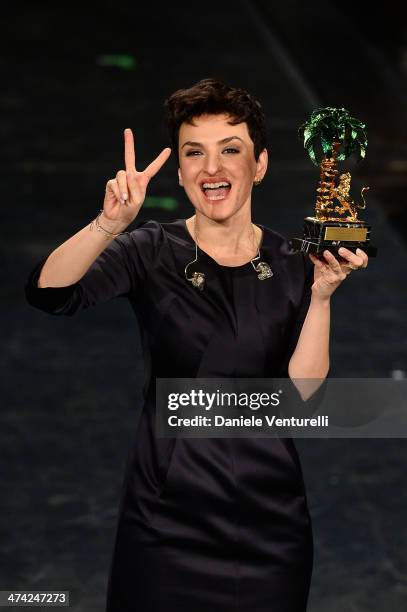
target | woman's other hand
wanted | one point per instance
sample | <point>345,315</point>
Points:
<point>126,192</point>
<point>330,272</point>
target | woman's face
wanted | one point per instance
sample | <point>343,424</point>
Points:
<point>217,165</point>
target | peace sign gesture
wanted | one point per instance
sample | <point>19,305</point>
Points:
<point>125,194</point>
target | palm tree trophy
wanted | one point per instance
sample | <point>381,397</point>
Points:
<point>336,222</point>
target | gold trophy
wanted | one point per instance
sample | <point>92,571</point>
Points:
<point>335,223</point>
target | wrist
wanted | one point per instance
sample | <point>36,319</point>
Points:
<point>109,229</point>
<point>111,225</point>
<point>320,300</point>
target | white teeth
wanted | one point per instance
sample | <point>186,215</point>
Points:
<point>215,197</point>
<point>215,185</point>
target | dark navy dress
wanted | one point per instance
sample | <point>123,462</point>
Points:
<point>209,524</point>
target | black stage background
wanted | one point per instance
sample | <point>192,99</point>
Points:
<point>73,77</point>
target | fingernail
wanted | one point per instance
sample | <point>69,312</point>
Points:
<point>121,201</point>
<point>124,196</point>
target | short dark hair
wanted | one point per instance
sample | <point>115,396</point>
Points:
<point>213,97</point>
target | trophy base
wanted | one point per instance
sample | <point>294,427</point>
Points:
<point>320,235</point>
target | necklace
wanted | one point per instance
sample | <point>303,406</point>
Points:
<point>198,278</point>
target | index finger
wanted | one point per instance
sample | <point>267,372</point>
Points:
<point>155,165</point>
<point>129,153</point>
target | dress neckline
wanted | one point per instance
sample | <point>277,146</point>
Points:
<point>248,263</point>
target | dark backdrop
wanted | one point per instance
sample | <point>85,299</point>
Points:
<point>74,76</point>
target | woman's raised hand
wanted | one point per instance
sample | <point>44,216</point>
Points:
<point>125,194</point>
<point>329,272</point>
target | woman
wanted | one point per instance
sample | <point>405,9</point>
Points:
<point>209,523</point>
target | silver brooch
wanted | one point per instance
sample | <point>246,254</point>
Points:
<point>198,280</point>
<point>263,269</point>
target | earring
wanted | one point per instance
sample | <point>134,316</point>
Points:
<point>256,183</point>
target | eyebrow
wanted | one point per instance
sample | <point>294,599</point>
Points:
<point>223,141</point>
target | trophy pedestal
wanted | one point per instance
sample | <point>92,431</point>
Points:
<point>320,235</point>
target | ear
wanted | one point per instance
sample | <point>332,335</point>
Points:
<point>180,177</point>
<point>262,164</point>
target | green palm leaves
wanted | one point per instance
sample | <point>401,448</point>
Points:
<point>331,125</point>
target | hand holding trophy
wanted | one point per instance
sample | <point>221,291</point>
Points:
<point>336,222</point>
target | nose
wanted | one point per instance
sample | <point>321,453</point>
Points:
<point>212,163</point>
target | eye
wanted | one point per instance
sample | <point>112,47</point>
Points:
<point>231,150</point>
<point>191,153</point>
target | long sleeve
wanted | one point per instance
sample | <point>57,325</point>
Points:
<point>119,271</point>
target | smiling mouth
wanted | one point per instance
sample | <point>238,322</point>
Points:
<point>216,191</point>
